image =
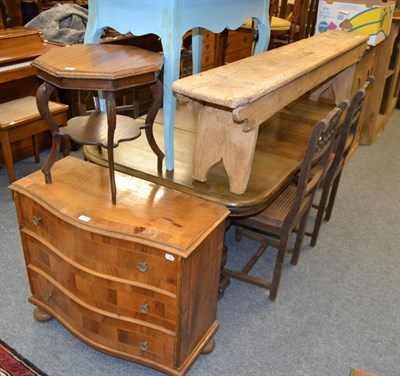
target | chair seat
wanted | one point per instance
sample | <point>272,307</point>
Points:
<point>248,24</point>
<point>279,24</point>
<point>271,218</point>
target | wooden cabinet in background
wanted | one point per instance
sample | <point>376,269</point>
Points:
<point>137,280</point>
<point>218,49</point>
<point>239,45</point>
<point>382,98</point>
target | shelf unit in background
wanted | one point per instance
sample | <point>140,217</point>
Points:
<point>382,99</point>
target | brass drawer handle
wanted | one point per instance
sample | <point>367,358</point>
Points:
<point>142,267</point>
<point>47,297</point>
<point>144,346</point>
<point>144,308</point>
<point>36,220</point>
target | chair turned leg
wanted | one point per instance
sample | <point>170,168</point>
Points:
<point>332,197</point>
<point>280,258</point>
<point>299,238</point>
<point>65,145</point>
<point>320,213</point>
<point>238,233</point>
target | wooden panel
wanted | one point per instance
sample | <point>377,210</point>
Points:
<point>199,291</point>
<point>14,9</point>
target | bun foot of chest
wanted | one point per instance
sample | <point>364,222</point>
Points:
<point>209,347</point>
<point>41,315</point>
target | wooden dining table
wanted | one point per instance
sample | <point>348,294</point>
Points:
<point>279,150</point>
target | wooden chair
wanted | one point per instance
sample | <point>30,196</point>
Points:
<point>290,207</point>
<point>20,119</point>
<point>288,26</point>
<point>347,138</point>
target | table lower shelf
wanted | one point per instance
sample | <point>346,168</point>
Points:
<point>93,129</point>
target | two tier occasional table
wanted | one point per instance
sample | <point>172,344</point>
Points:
<point>107,68</point>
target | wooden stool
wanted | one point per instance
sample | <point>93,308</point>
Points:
<point>20,119</point>
<point>107,68</point>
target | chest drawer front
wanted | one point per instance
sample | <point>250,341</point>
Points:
<point>101,253</point>
<point>117,296</point>
<point>106,332</point>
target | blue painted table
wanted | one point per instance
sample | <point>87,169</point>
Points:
<point>170,20</point>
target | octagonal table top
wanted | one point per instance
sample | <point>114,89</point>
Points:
<point>99,67</point>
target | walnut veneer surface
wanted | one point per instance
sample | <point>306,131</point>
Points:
<point>138,280</point>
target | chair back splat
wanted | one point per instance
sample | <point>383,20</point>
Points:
<point>290,208</point>
<point>347,138</point>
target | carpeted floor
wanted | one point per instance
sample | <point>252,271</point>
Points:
<point>338,309</point>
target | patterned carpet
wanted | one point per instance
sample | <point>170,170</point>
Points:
<point>13,364</point>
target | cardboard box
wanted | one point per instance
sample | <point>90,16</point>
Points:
<point>373,17</point>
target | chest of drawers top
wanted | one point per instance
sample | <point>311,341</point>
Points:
<point>145,212</point>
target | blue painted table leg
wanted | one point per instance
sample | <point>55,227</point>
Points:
<point>197,48</point>
<point>172,52</point>
<point>263,37</point>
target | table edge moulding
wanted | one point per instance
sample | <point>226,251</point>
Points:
<point>170,20</point>
<point>234,99</point>
<point>154,258</point>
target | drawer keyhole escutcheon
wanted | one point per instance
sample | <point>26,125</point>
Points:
<point>142,267</point>
<point>144,308</point>
<point>144,346</point>
<point>47,297</point>
<point>36,220</point>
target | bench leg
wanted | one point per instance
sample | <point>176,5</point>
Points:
<point>210,140</point>
<point>238,156</point>
<point>7,155</point>
<point>341,85</point>
<point>219,137</point>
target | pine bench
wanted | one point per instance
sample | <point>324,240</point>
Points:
<point>233,100</point>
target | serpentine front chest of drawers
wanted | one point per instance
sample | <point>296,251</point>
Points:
<point>137,280</point>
